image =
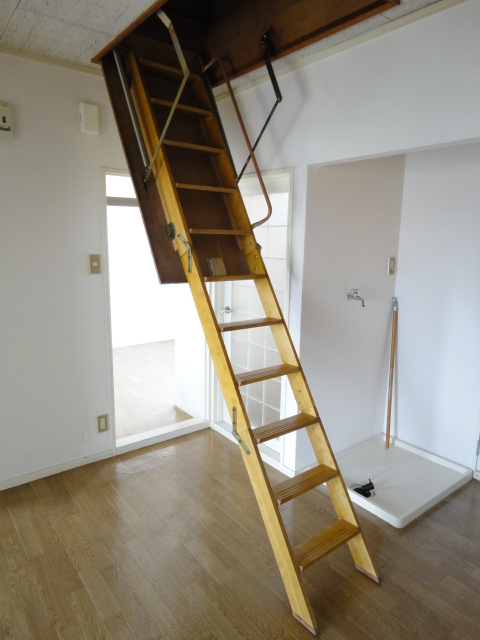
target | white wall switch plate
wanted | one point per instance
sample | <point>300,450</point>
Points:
<point>102,422</point>
<point>95,264</point>
<point>89,122</point>
<point>391,266</point>
<point>6,126</point>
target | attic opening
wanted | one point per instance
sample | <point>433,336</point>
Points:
<point>232,29</point>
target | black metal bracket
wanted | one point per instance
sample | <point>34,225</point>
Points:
<point>170,231</point>
<point>366,489</point>
<point>267,48</point>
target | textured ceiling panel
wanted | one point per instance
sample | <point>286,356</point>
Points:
<point>407,6</point>
<point>7,7</point>
<point>76,30</point>
<point>107,17</point>
<point>49,37</point>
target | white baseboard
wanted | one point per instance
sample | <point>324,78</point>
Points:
<point>51,471</point>
<point>132,443</point>
<point>123,446</point>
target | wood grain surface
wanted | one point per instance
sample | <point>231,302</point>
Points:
<point>168,542</point>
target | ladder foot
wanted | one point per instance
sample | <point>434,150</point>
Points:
<point>376,579</point>
<point>305,624</point>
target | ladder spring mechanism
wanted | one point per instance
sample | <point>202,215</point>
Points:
<point>235,432</point>
<point>188,247</point>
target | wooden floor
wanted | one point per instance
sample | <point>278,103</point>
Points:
<point>167,542</point>
<point>144,378</point>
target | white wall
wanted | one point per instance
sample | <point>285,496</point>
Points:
<point>54,375</point>
<point>352,227</point>
<point>411,88</point>
<point>190,358</point>
<point>416,87</point>
<point>142,310</point>
<point>438,372</point>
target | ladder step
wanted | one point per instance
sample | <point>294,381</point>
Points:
<point>193,147</point>
<point>219,232</point>
<point>324,543</point>
<point>184,108</point>
<point>294,487</point>
<point>281,427</point>
<point>265,374</point>
<point>202,187</point>
<point>248,276</point>
<point>165,70</point>
<point>248,324</point>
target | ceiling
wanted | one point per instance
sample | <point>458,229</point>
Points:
<point>73,32</point>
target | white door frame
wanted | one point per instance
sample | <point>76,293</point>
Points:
<point>476,460</point>
<point>157,435</point>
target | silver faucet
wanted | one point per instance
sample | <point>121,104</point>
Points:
<point>353,295</point>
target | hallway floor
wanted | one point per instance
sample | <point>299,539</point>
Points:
<point>144,377</point>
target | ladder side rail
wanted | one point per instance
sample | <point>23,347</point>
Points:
<point>265,497</point>
<point>161,170</point>
<point>282,548</point>
<point>288,558</point>
<point>316,432</point>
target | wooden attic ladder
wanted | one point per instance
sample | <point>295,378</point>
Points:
<point>200,196</point>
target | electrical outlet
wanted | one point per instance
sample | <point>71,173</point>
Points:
<point>102,422</point>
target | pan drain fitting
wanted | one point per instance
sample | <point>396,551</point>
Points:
<point>366,489</point>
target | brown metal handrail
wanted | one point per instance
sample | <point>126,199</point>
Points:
<point>245,135</point>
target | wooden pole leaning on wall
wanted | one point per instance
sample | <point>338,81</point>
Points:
<point>392,363</point>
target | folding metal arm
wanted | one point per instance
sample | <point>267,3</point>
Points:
<point>181,58</point>
<point>131,108</point>
<point>266,45</point>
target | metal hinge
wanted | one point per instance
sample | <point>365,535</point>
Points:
<point>478,447</point>
<point>235,432</point>
<point>189,249</point>
<point>170,231</point>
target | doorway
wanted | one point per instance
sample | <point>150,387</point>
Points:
<point>147,325</point>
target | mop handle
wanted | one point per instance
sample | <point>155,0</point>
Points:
<point>390,377</point>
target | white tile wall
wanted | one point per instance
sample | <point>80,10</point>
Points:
<point>255,391</point>
<point>272,393</point>
<point>256,357</point>
<point>277,272</point>
<point>255,412</point>
<point>257,336</point>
